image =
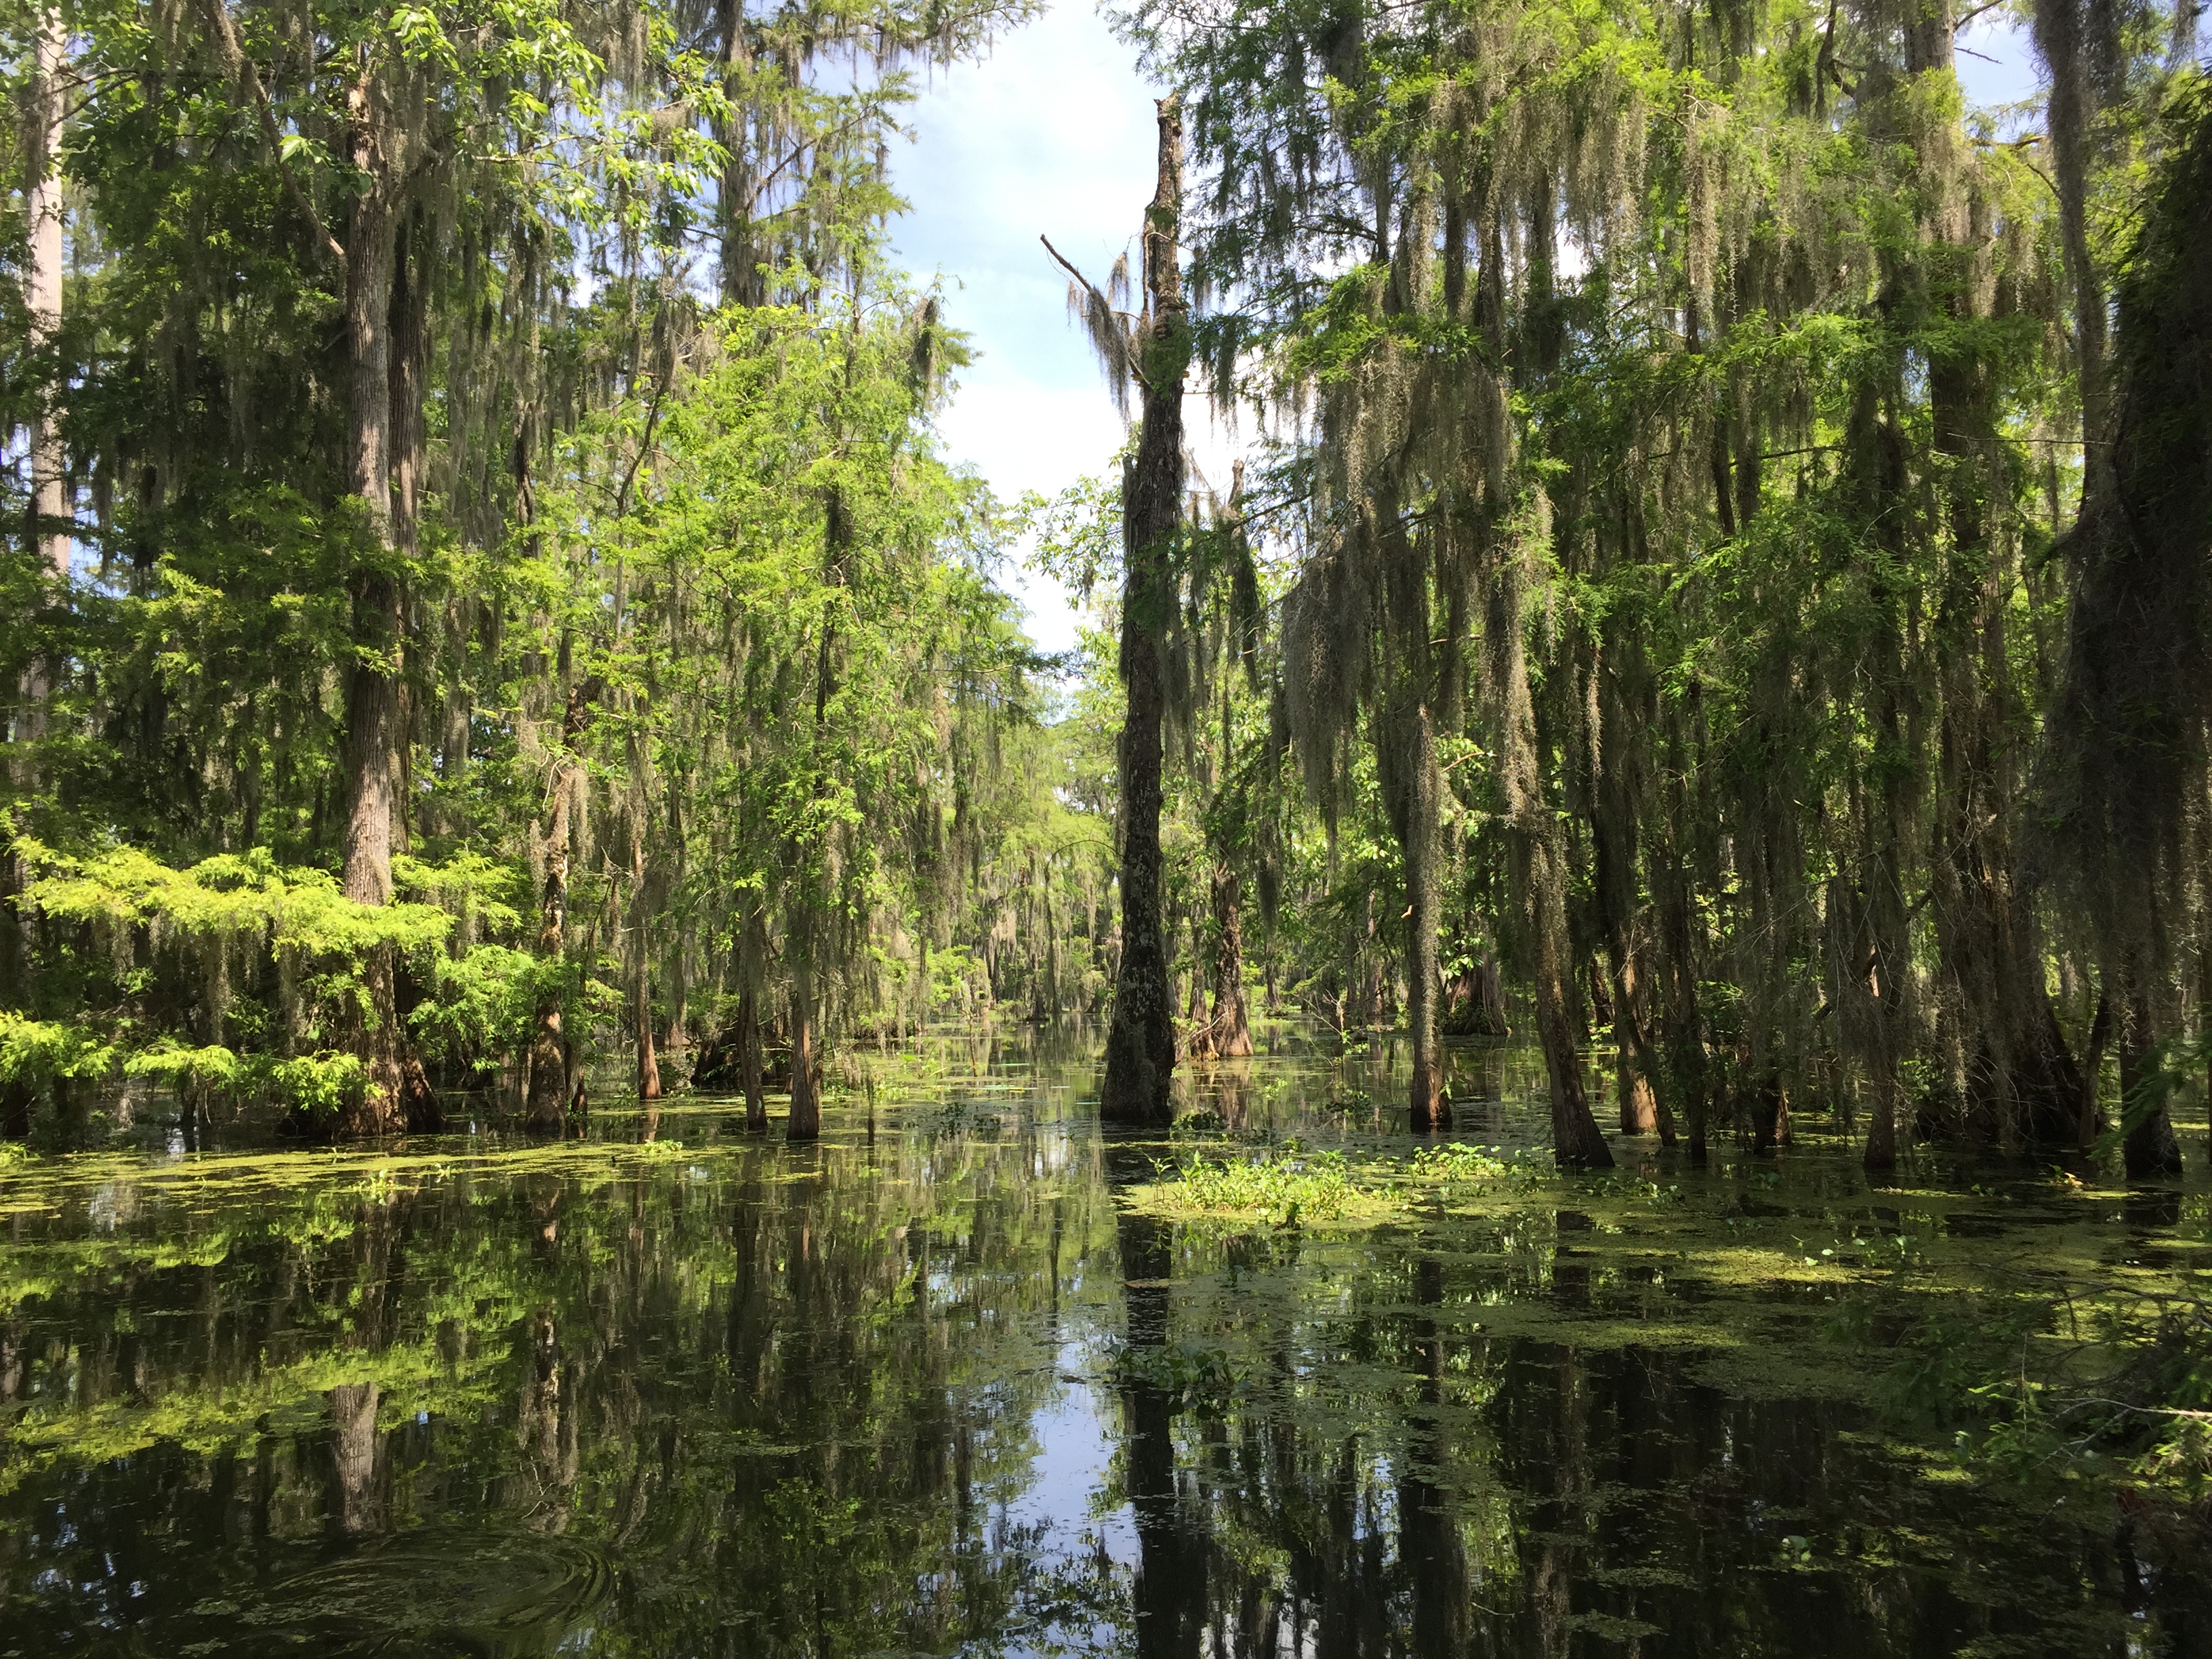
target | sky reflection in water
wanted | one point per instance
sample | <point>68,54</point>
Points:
<point>928,1388</point>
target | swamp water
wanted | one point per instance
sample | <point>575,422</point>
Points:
<point>967,1377</point>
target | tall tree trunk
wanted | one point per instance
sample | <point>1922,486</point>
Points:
<point>1194,1004</point>
<point>648,1064</point>
<point>679,1036</point>
<point>50,507</point>
<point>42,293</point>
<point>2150,1151</point>
<point>548,1108</point>
<point>1420,841</point>
<point>2060,29</point>
<point>805,1120</point>
<point>752,963</point>
<point>1889,934</point>
<point>1539,862</point>
<point>1686,1070</point>
<point>2203,1022</point>
<point>1640,1110</point>
<point>2020,1080</point>
<point>1139,1062</point>
<point>1051,945</point>
<point>409,361</point>
<point>1232,1029</point>
<point>373,722</point>
<point>749,1060</point>
<point>1577,1141</point>
<point>1613,819</point>
<point>741,258</point>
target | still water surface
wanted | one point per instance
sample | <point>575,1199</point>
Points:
<point>933,1387</point>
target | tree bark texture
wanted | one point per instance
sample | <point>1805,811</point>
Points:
<point>1231,1034</point>
<point>1576,1140</point>
<point>546,1112</point>
<point>640,917</point>
<point>752,960</point>
<point>1414,787</point>
<point>353,1507</point>
<point>374,733</point>
<point>42,293</point>
<point>1539,866</point>
<point>1889,960</point>
<point>1140,1044</point>
<point>1615,798</point>
<point>806,1120</point>
<point>2150,1151</point>
<point>1640,1112</point>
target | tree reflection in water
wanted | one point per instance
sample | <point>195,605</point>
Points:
<point>718,1397</point>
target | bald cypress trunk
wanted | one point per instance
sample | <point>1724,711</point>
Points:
<point>50,506</point>
<point>741,260</point>
<point>1139,1062</point>
<point>1686,1069</point>
<point>374,732</point>
<point>805,1120</point>
<point>649,1063</point>
<point>1888,960</point>
<point>1412,791</point>
<point>2125,774</point>
<point>1231,1033</point>
<point>42,293</point>
<point>1614,847</point>
<point>410,350</point>
<point>752,957</point>
<point>548,1108</point>
<point>2062,30</point>
<point>1537,860</point>
<point>1576,1138</point>
<point>2151,1150</point>
<point>1420,843</point>
<point>353,1505</point>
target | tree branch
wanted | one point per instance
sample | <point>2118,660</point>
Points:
<point>241,69</point>
<point>1135,373</point>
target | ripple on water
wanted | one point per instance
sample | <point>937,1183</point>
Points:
<point>429,1591</point>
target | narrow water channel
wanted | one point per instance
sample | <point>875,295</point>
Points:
<point>939,1384</point>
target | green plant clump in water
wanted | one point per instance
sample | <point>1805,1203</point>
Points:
<point>1290,1185</point>
<point>2026,1357</point>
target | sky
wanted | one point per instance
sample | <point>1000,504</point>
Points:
<point>1052,134</point>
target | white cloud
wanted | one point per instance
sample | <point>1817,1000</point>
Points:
<point>1052,134</point>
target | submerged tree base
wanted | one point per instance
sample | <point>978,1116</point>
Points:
<point>1748,1402</point>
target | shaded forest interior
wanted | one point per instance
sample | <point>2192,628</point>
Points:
<point>487,598</point>
<point>1678,752</point>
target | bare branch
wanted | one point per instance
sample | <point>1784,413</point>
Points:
<point>1109,336</point>
<point>241,69</point>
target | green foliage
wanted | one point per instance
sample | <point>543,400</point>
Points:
<point>725,540</point>
<point>1289,1185</point>
<point>33,1053</point>
<point>245,897</point>
<point>319,1085</point>
<point>1671,434</point>
<point>479,1006</point>
<point>211,1070</point>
